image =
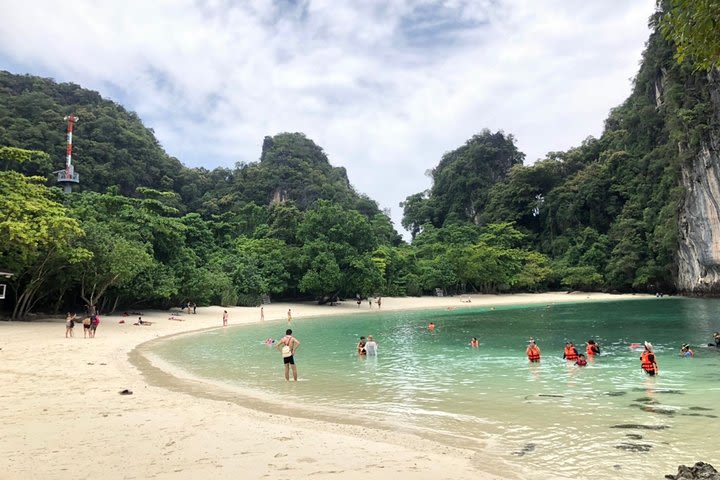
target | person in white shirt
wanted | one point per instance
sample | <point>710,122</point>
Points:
<point>370,346</point>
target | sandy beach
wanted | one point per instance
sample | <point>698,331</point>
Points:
<point>63,417</point>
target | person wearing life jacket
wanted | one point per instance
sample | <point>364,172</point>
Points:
<point>647,360</point>
<point>533,352</point>
<point>581,362</point>
<point>592,348</point>
<point>570,352</point>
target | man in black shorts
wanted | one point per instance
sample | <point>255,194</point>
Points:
<point>288,346</point>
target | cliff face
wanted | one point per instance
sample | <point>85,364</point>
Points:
<point>699,216</point>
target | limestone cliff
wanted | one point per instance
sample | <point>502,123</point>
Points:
<point>699,216</point>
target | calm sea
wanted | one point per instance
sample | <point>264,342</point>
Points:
<point>604,420</point>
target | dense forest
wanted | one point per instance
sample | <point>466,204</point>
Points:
<point>144,230</point>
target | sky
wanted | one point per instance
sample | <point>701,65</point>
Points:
<point>384,87</point>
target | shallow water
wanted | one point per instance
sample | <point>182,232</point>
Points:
<point>605,419</point>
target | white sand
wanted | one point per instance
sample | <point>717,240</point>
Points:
<point>61,415</point>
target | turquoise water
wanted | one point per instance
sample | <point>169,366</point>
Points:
<point>605,419</point>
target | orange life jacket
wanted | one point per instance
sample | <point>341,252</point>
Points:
<point>570,353</point>
<point>533,353</point>
<point>590,349</point>
<point>645,362</point>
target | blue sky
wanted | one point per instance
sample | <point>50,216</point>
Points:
<point>385,87</point>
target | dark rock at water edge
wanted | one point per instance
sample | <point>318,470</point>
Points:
<point>699,471</point>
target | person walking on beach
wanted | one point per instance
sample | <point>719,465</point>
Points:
<point>647,360</point>
<point>94,322</point>
<point>288,345</point>
<point>225,318</point>
<point>262,313</point>
<point>69,324</point>
<point>289,315</point>
<point>379,302</point>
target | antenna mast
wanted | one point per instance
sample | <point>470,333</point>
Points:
<point>68,177</point>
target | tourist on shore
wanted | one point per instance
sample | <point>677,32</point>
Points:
<point>570,352</point>
<point>533,351</point>
<point>69,324</point>
<point>647,360</point>
<point>262,313</point>
<point>289,315</point>
<point>86,327</point>
<point>686,351</point>
<point>288,346</point>
<point>592,348</point>
<point>225,318</point>
<point>474,342</point>
<point>194,305</point>
<point>370,301</point>
<point>379,302</point>
<point>370,346</point>
<point>361,346</point>
<point>94,322</point>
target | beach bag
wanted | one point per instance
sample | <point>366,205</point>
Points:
<point>286,352</point>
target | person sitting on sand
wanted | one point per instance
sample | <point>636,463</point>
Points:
<point>142,322</point>
<point>474,342</point>
<point>370,346</point>
<point>686,351</point>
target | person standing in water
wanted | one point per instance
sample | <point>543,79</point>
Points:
<point>361,346</point>
<point>370,346</point>
<point>288,346</point>
<point>570,352</point>
<point>533,351</point>
<point>686,351</point>
<point>592,348</point>
<point>474,342</point>
<point>647,360</point>
<point>431,326</point>
<point>581,362</point>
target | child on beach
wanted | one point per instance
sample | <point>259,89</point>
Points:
<point>69,324</point>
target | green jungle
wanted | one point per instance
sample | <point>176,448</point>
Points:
<point>144,230</point>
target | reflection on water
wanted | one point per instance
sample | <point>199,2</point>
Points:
<point>601,420</point>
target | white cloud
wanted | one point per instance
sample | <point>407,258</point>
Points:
<point>384,87</point>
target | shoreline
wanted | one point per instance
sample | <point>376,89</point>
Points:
<point>64,394</point>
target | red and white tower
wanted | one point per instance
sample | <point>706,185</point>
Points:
<point>68,177</point>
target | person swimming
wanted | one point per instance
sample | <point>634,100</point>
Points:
<point>431,326</point>
<point>474,342</point>
<point>581,362</point>
<point>686,351</point>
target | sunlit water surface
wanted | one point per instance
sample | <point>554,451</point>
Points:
<point>602,420</point>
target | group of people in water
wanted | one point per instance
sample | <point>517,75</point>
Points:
<point>367,346</point>
<point>648,362</point>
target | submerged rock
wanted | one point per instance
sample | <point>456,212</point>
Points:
<point>703,409</point>
<point>634,436</point>
<point>699,471</point>
<point>527,448</point>
<point>615,394</point>
<point>634,447</point>
<point>640,427</point>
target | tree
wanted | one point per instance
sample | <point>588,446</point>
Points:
<point>693,25</point>
<point>37,238</point>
